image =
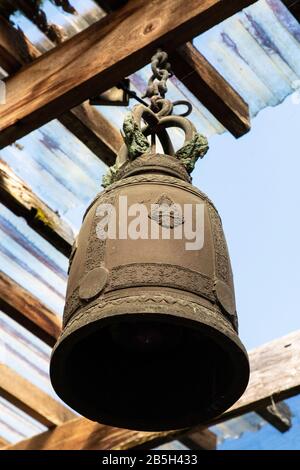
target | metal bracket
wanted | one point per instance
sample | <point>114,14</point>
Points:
<point>116,96</point>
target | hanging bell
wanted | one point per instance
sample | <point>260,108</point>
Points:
<point>150,339</point>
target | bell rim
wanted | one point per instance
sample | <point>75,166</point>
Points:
<point>207,322</point>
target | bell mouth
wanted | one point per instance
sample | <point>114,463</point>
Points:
<point>149,372</point>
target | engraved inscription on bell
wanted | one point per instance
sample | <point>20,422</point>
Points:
<point>166,213</point>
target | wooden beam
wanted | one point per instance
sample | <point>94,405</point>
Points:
<point>34,12</point>
<point>206,84</point>
<point>275,372</point>
<point>199,440</point>
<point>3,442</point>
<point>15,48</point>
<point>84,121</point>
<point>211,89</point>
<point>94,130</point>
<point>101,55</point>
<point>30,399</point>
<point>27,310</point>
<point>20,199</point>
<point>278,415</point>
<point>82,434</point>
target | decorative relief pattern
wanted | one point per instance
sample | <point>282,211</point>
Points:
<point>156,160</point>
<point>73,252</point>
<point>161,275</point>
<point>96,247</point>
<point>73,302</point>
<point>149,274</point>
<point>166,212</point>
<point>156,274</point>
<point>223,269</point>
<point>153,178</point>
<point>213,315</point>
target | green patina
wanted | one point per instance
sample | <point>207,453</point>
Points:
<point>110,176</point>
<point>193,150</point>
<point>137,144</point>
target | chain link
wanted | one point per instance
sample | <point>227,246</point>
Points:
<point>161,71</point>
<point>157,86</point>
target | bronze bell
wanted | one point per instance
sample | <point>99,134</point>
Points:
<point>150,327</point>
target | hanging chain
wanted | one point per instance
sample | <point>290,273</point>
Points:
<point>161,71</point>
<point>152,120</point>
<point>157,86</point>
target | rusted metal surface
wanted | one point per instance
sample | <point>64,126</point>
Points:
<point>138,306</point>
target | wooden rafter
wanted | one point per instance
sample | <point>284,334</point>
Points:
<point>20,199</point>
<point>36,14</point>
<point>214,92</point>
<point>94,130</point>
<point>275,375</point>
<point>30,399</point>
<point>278,415</point>
<point>206,84</point>
<point>95,59</point>
<point>275,372</point>
<point>15,48</point>
<point>84,121</point>
<point>27,310</point>
<point>81,434</point>
<point>199,440</point>
<point>3,442</point>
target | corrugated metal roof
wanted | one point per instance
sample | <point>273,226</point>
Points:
<point>257,51</point>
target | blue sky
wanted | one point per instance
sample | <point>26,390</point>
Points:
<point>255,183</point>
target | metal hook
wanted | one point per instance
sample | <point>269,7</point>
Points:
<point>183,103</point>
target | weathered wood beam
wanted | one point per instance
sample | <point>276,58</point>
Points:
<point>84,121</point>
<point>34,12</point>
<point>20,199</point>
<point>101,55</point>
<point>278,415</point>
<point>275,372</point>
<point>30,399</point>
<point>94,130</point>
<point>27,310</point>
<point>206,84</point>
<point>214,92</point>
<point>15,48</point>
<point>3,443</point>
<point>82,434</point>
<point>199,440</point>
